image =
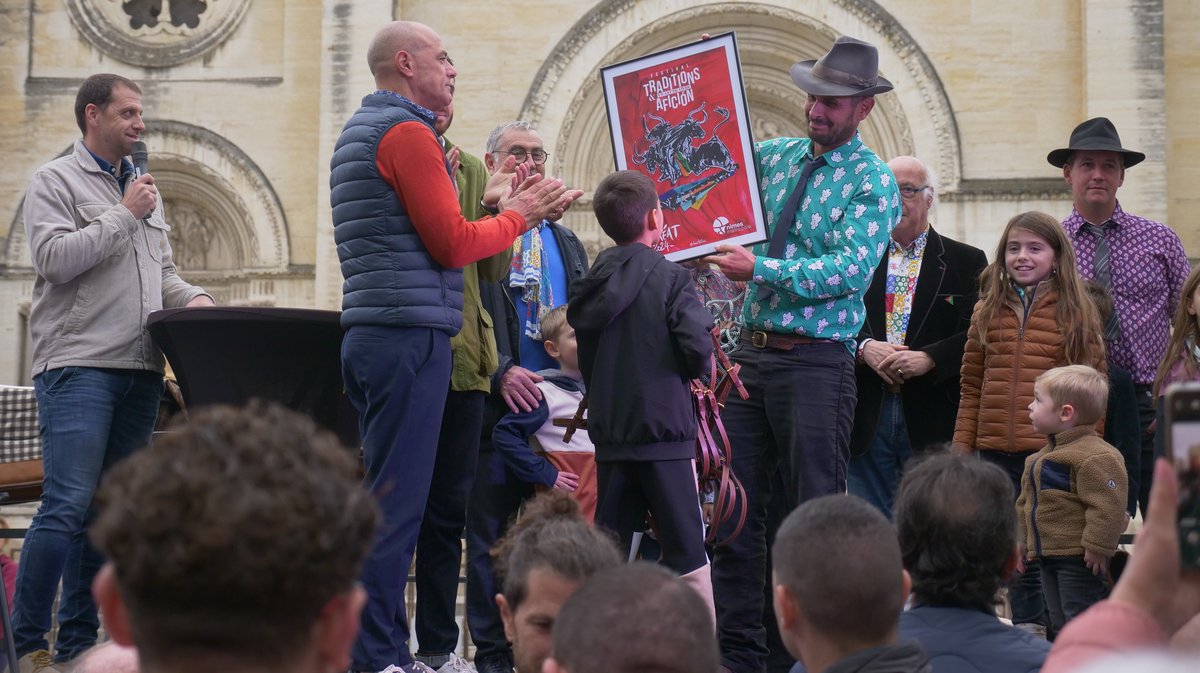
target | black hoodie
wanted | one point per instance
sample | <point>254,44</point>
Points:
<point>642,334</point>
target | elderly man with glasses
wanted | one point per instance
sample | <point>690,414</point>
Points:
<point>545,261</point>
<point>910,348</point>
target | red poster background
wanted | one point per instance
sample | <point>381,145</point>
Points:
<point>726,211</point>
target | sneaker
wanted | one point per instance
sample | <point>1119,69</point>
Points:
<point>39,661</point>
<point>414,667</point>
<point>495,664</point>
<point>456,664</point>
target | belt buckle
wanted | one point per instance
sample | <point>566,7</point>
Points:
<point>758,339</point>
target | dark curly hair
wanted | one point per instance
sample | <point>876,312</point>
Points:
<point>957,527</point>
<point>231,532</point>
<point>551,534</point>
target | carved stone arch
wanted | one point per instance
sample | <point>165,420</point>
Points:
<point>218,201</point>
<point>226,217</point>
<point>566,101</point>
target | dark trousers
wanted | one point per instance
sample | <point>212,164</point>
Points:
<point>495,499</point>
<point>1070,588</point>
<point>626,490</point>
<point>1025,593</point>
<point>439,545</point>
<point>790,443</point>
<point>397,379</point>
<point>1147,412</point>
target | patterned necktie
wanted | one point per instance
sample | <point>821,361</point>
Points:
<point>1102,272</point>
<point>788,216</point>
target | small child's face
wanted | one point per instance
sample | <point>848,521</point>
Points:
<point>564,350</point>
<point>1045,414</point>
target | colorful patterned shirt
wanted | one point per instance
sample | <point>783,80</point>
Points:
<point>1148,267</point>
<point>904,265</point>
<point>840,233</point>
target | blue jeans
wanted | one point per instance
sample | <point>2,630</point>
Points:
<point>397,379</point>
<point>875,475</point>
<point>1070,588</point>
<point>89,420</point>
<point>790,443</point>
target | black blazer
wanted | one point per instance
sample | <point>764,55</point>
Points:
<point>947,288</point>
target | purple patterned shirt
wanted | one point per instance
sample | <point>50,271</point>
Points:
<point>1148,267</point>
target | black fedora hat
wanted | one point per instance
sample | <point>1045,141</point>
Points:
<point>850,68</point>
<point>1096,134</point>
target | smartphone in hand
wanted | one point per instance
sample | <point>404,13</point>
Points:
<point>1183,448</point>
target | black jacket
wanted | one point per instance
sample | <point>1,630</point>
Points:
<point>498,302</point>
<point>947,288</point>
<point>642,334</point>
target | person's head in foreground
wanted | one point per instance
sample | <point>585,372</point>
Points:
<point>626,206</point>
<point>547,555</point>
<point>234,542</point>
<point>839,585</point>
<point>958,531</point>
<point>634,618</point>
<point>1065,397</point>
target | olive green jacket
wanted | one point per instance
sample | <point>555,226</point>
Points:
<point>474,347</point>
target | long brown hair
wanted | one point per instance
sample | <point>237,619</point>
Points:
<point>1184,326</point>
<point>1076,312</point>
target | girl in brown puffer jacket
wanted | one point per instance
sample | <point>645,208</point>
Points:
<point>1033,314</point>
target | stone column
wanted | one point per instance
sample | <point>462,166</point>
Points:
<point>346,30</point>
<point>1123,80</point>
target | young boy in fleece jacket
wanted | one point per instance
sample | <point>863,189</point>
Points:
<point>528,441</point>
<point>642,335</point>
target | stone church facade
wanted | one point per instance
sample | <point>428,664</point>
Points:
<point>244,101</point>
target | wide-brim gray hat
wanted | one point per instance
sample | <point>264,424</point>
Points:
<point>1098,135</point>
<point>850,68</point>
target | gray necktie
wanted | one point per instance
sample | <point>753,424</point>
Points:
<point>1102,272</point>
<point>787,216</point>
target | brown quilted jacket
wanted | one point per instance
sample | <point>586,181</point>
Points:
<point>997,386</point>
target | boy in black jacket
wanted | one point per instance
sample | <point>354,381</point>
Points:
<point>642,334</point>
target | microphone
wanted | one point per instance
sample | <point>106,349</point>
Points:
<point>140,159</point>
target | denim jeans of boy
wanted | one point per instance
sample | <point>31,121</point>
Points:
<point>89,420</point>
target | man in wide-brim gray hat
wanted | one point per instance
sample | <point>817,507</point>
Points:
<point>823,195</point>
<point>1139,261</point>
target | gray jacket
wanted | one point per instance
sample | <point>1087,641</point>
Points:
<point>100,271</point>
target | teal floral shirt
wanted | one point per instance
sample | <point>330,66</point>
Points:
<point>840,234</point>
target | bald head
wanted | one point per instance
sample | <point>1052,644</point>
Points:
<point>408,58</point>
<point>912,174</point>
<point>397,36</point>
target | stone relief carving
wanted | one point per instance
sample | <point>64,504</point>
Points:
<point>197,241</point>
<point>156,33</point>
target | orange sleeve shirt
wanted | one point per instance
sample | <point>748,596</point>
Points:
<point>411,161</point>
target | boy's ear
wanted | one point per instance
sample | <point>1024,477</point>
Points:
<point>551,349</point>
<point>1067,413</point>
<point>109,600</point>
<point>654,219</point>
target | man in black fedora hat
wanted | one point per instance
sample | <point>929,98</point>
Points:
<point>1141,262</point>
<point>831,204</point>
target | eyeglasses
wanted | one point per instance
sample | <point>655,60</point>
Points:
<point>909,192</point>
<point>539,156</point>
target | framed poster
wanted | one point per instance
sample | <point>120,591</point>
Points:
<point>680,117</point>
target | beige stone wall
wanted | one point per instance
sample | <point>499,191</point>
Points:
<point>984,90</point>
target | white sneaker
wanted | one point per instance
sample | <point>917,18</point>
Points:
<point>456,664</point>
